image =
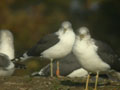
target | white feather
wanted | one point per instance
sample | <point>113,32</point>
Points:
<point>7,44</point>
<point>78,73</point>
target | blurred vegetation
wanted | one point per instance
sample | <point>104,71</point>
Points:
<point>29,20</point>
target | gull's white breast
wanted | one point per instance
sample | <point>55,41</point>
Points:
<point>62,48</point>
<point>86,52</point>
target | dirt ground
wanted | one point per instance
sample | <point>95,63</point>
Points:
<point>48,83</point>
<point>22,81</point>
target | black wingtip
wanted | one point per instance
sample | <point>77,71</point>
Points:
<point>20,66</point>
<point>15,60</point>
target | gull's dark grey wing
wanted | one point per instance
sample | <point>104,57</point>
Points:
<point>4,61</point>
<point>44,43</point>
<point>67,65</point>
<point>108,55</point>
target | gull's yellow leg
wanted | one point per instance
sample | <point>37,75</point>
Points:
<point>58,69</point>
<point>97,76</point>
<point>87,81</point>
<point>51,67</point>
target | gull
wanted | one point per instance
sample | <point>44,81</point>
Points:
<point>93,55</point>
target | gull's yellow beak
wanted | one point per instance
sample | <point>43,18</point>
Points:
<point>82,36</point>
<point>65,30</point>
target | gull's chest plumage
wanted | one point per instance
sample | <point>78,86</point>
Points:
<point>86,53</point>
<point>62,48</point>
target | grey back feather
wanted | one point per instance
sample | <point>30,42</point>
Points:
<point>44,43</point>
<point>108,55</point>
<point>67,65</point>
<point>4,60</point>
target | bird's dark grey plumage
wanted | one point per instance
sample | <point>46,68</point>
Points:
<point>108,55</point>
<point>7,67</point>
<point>67,65</point>
<point>44,43</point>
<point>4,61</point>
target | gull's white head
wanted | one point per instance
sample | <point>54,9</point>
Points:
<point>6,35</point>
<point>66,24</point>
<point>84,32</point>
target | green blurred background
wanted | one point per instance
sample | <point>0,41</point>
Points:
<point>29,20</point>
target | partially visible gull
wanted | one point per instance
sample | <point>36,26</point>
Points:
<point>53,46</point>
<point>7,43</point>
<point>7,67</point>
<point>93,55</point>
<point>69,66</point>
